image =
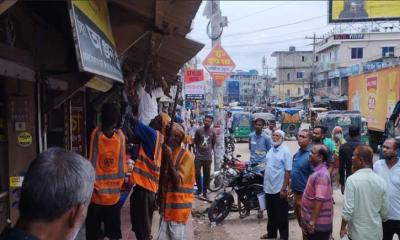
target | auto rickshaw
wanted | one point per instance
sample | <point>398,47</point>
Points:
<point>241,125</point>
<point>313,116</point>
<point>344,119</point>
<point>291,122</point>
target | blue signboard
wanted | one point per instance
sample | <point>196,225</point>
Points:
<point>233,90</point>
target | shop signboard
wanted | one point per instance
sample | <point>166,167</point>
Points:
<point>194,84</point>
<point>348,36</point>
<point>360,10</point>
<point>219,64</point>
<point>348,71</point>
<point>94,43</point>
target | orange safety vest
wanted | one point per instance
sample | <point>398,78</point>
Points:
<point>146,172</point>
<point>107,156</point>
<point>178,201</point>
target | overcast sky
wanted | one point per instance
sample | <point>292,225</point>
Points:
<point>253,30</point>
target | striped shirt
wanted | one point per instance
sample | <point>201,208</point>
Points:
<point>318,188</point>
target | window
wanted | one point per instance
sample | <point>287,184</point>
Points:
<point>388,52</point>
<point>303,58</point>
<point>298,91</point>
<point>288,93</point>
<point>300,75</point>
<point>316,58</point>
<point>288,76</point>
<point>356,53</point>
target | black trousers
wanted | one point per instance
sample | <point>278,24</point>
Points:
<point>277,210</point>
<point>206,165</point>
<point>391,227</point>
<point>141,209</point>
<point>110,215</point>
<point>319,236</point>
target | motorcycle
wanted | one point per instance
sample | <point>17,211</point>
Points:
<point>231,166</point>
<point>247,185</point>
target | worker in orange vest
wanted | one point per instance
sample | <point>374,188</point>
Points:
<point>146,172</point>
<point>107,155</point>
<point>176,202</point>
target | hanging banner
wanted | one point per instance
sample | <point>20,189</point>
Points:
<point>219,64</point>
<point>194,84</point>
<point>94,42</point>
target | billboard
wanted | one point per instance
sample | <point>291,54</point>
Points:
<point>375,95</point>
<point>194,84</point>
<point>94,42</point>
<point>363,10</point>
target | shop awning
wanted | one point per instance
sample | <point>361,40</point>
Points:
<point>151,37</point>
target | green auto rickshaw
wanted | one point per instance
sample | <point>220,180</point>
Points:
<point>291,122</point>
<point>241,125</point>
<point>344,119</point>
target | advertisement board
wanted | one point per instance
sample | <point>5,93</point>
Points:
<point>375,95</point>
<point>362,10</point>
<point>219,64</point>
<point>194,84</point>
<point>94,42</point>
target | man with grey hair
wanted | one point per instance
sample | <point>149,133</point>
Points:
<point>276,182</point>
<point>55,196</point>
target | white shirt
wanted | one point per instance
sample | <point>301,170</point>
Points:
<point>392,179</point>
<point>365,205</point>
<point>278,160</point>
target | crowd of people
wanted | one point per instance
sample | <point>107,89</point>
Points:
<point>371,201</point>
<point>62,190</point>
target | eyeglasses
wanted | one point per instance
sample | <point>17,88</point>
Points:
<point>302,136</point>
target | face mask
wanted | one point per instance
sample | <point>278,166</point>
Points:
<point>338,136</point>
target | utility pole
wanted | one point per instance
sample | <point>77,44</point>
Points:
<point>312,80</point>
<point>217,23</point>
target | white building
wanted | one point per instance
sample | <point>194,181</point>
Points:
<point>293,73</point>
<point>341,55</point>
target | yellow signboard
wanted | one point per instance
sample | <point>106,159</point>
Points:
<point>24,139</point>
<point>94,41</point>
<point>362,10</point>
<point>16,181</point>
<point>97,12</point>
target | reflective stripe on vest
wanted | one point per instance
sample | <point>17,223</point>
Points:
<point>178,205</point>
<point>146,172</point>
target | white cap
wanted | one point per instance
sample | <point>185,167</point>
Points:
<point>280,132</point>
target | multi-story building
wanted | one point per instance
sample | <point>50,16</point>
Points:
<point>293,73</point>
<point>252,88</point>
<point>339,56</point>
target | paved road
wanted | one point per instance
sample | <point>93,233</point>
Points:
<point>251,228</point>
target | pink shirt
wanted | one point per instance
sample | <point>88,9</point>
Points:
<point>318,188</point>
